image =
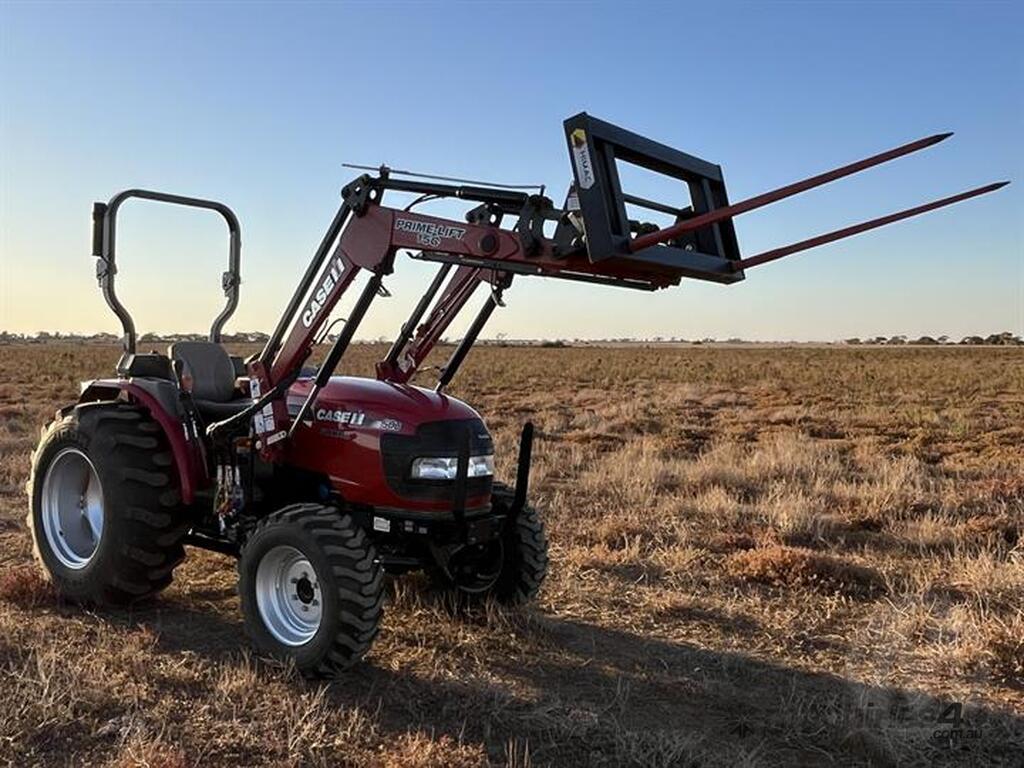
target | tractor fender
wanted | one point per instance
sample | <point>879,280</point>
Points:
<point>163,408</point>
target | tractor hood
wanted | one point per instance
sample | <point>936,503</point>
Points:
<point>362,436</point>
<point>350,403</point>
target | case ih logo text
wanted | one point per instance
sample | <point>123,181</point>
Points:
<point>352,418</point>
<point>320,297</point>
<point>429,233</point>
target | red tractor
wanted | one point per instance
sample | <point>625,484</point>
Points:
<point>321,484</point>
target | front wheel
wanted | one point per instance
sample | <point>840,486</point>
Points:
<point>311,589</point>
<point>511,568</point>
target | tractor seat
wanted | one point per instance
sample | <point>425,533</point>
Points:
<point>213,378</point>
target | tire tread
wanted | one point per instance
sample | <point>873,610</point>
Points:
<point>354,569</point>
<point>145,509</point>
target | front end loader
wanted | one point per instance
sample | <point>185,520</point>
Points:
<point>321,483</point>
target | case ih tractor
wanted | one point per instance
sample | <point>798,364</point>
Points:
<point>320,484</point>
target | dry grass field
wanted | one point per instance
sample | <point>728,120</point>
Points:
<point>774,556</point>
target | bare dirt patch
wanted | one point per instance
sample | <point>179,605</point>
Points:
<point>791,567</point>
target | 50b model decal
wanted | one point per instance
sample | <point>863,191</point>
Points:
<point>429,233</point>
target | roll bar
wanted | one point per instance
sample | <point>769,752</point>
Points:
<point>104,235</point>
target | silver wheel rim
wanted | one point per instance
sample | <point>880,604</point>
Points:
<point>72,508</point>
<point>288,595</point>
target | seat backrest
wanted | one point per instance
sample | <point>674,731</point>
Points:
<point>211,369</point>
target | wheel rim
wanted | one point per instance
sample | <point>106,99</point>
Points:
<point>288,595</point>
<point>72,508</point>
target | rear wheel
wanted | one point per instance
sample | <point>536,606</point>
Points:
<point>311,588</point>
<point>105,514</point>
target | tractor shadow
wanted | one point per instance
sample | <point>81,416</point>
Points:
<point>197,614</point>
<point>579,694</point>
<point>584,694</point>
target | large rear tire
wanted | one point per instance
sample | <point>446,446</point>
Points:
<point>311,589</point>
<point>105,512</point>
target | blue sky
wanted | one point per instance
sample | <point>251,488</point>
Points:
<point>258,105</point>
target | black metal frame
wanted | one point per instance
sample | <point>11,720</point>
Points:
<point>459,486</point>
<point>523,469</point>
<point>451,367</point>
<point>408,328</point>
<point>104,236</point>
<point>594,148</point>
<point>519,493</point>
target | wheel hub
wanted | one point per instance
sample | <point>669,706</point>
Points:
<point>288,595</point>
<point>72,508</point>
<point>304,589</point>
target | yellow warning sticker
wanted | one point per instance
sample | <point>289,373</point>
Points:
<point>581,158</point>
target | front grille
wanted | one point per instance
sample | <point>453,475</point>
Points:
<point>435,438</point>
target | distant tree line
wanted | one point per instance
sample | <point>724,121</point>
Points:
<point>44,337</point>
<point>1004,339</point>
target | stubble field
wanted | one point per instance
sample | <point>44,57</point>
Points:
<point>774,556</point>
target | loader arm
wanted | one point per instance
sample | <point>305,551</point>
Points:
<point>596,239</point>
<point>408,353</point>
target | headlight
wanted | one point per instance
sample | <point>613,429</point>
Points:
<point>446,468</point>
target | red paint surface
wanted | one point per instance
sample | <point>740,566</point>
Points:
<point>188,458</point>
<point>350,455</point>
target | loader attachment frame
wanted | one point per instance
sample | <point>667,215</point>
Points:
<point>596,149</point>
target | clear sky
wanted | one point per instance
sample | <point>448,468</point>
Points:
<point>259,104</point>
